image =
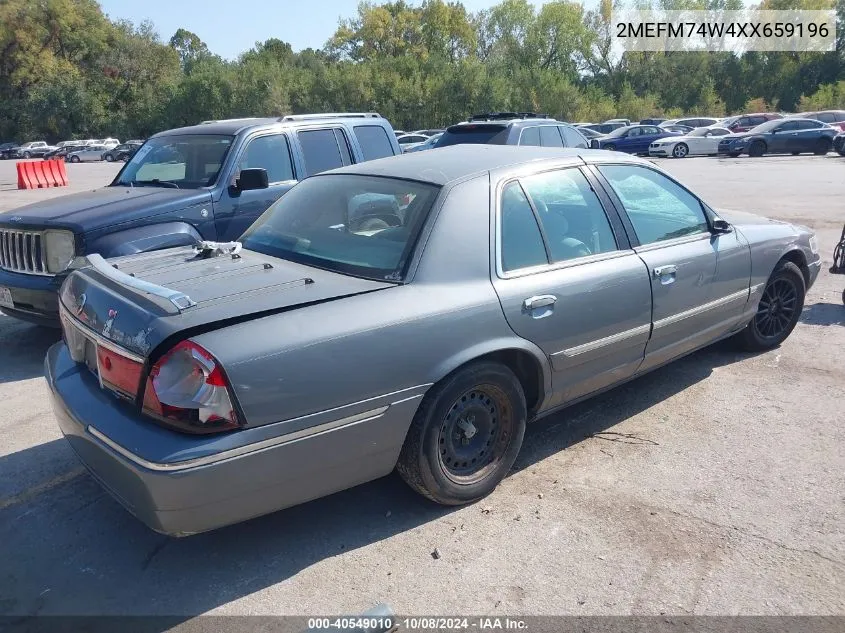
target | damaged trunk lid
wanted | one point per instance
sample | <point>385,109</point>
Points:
<point>139,301</point>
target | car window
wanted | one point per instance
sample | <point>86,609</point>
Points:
<point>573,138</point>
<point>658,207</point>
<point>808,125</point>
<point>785,127</point>
<point>757,120</point>
<point>271,153</point>
<point>825,117</point>
<point>550,136</point>
<point>474,133</point>
<point>522,244</point>
<point>187,160</point>
<point>358,225</point>
<point>374,141</point>
<point>650,129</point>
<point>530,136</point>
<point>718,132</point>
<point>634,131</point>
<point>320,150</point>
<point>572,217</point>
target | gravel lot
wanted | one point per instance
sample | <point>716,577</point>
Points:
<point>712,486</point>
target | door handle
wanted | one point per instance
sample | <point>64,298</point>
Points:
<point>662,271</point>
<point>540,301</point>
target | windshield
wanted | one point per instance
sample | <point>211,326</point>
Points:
<point>479,134</point>
<point>187,161</point>
<point>364,226</point>
<point>768,126</point>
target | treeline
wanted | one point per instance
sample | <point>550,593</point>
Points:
<point>67,71</point>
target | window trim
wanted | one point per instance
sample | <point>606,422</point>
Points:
<point>360,145</point>
<point>321,128</point>
<point>261,134</point>
<point>626,220</point>
<point>623,245</point>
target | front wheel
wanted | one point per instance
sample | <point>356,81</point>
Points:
<point>466,434</point>
<point>757,149</point>
<point>74,159</point>
<point>680,151</point>
<point>109,158</point>
<point>27,155</point>
<point>778,311</point>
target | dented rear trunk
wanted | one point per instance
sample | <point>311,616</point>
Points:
<point>138,302</point>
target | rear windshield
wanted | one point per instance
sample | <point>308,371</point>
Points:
<point>479,134</point>
<point>364,226</point>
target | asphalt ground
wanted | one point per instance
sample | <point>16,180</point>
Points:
<point>711,486</point>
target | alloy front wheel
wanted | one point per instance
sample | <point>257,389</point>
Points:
<point>680,151</point>
<point>778,311</point>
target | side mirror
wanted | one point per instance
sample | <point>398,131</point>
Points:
<point>252,178</point>
<point>719,226</point>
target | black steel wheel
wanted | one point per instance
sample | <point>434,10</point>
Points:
<point>778,311</point>
<point>758,148</point>
<point>822,147</point>
<point>466,434</point>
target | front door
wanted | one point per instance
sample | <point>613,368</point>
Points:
<point>699,279</point>
<point>568,280</point>
<point>237,210</point>
<point>648,134</point>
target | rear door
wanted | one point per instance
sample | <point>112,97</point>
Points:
<point>648,134</point>
<point>699,280</point>
<point>568,280</point>
<point>237,210</point>
<point>808,135</point>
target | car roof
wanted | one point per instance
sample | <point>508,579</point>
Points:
<point>234,126</point>
<point>441,166</point>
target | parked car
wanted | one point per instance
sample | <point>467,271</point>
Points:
<point>691,122</point>
<point>192,382</point>
<point>33,149</point>
<point>124,151</point>
<point>745,122</point>
<point>602,128</point>
<point>839,144</point>
<point>681,129</point>
<point>399,133</point>
<point>634,139</point>
<point>652,121</point>
<point>407,141</point>
<point>430,132</point>
<point>183,186</point>
<point>110,142</point>
<point>589,133</point>
<point>781,136</point>
<point>703,141</point>
<point>62,152</point>
<point>618,122</point>
<point>8,150</point>
<point>86,154</point>
<point>513,128</point>
<point>835,118</point>
<point>428,144</point>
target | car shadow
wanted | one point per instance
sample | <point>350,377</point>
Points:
<point>22,349</point>
<point>69,548</point>
<point>824,314</point>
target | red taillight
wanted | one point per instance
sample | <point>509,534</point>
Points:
<point>188,386</point>
<point>118,372</point>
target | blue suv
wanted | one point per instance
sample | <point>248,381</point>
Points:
<point>205,182</point>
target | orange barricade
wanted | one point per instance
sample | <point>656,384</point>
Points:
<point>40,174</point>
<point>23,177</point>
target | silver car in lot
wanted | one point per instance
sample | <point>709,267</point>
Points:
<point>204,386</point>
<point>88,154</point>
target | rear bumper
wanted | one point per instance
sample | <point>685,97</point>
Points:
<point>35,297</point>
<point>177,486</point>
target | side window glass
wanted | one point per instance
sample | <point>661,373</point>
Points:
<point>270,153</point>
<point>320,150</point>
<point>785,127</point>
<point>343,146</point>
<point>633,132</point>
<point>572,216</point>
<point>530,136</point>
<point>826,117</point>
<point>659,208</point>
<point>550,136</point>
<point>373,141</point>
<point>522,243</point>
<point>573,138</point>
<point>808,125</point>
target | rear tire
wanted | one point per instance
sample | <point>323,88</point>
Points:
<point>757,149</point>
<point>778,311</point>
<point>74,159</point>
<point>822,147</point>
<point>465,435</point>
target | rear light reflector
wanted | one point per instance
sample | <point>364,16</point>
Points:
<point>117,372</point>
<point>187,386</point>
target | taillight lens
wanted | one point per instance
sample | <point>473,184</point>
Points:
<point>187,386</point>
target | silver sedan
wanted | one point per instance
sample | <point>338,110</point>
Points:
<point>88,154</point>
<point>410,313</point>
